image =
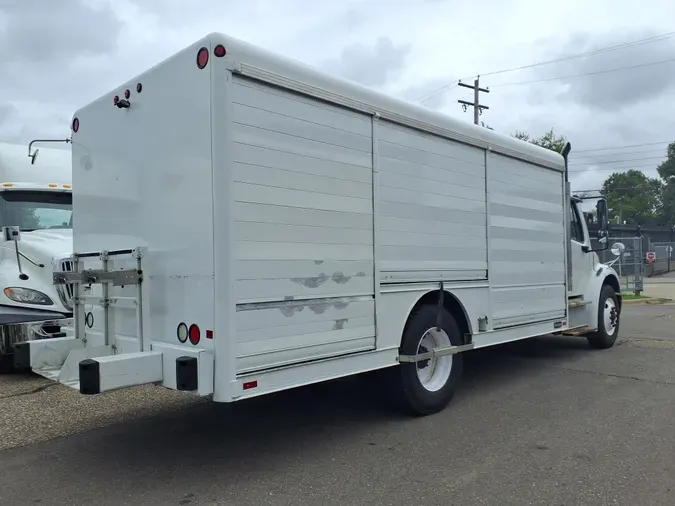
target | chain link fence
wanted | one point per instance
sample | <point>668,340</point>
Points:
<point>663,258</point>
<point>630,263</point>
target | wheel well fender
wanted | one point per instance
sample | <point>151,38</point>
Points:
<point>613,281</point>
<point>605,277</point>
<point>452,304</point>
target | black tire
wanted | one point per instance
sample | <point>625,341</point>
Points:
<point>410,394</point>
<point>6,363</point>
<point>601,339</point>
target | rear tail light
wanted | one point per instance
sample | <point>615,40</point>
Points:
<point>202,57</point>
<point>139,88</point>
<point>193,334</point>
<point>116,99</point>
<point>127,94</point>
<point>219,51</point>
<point>76,125</point>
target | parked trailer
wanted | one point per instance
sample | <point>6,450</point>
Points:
<point>246,224</point>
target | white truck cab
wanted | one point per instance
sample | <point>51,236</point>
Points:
<point>36,218</point>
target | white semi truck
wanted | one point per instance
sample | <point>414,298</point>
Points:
<point>36,216</point>
<point>247,224</point>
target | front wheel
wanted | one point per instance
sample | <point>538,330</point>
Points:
<point>608,320</point>
<point>426,387</point>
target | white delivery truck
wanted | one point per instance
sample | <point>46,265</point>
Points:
<point>36,220</point>
<point>246,224</point>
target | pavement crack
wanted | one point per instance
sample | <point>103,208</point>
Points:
<point>29,392</point>
<point>622,376</point>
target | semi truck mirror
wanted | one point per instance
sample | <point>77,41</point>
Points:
<point>11,234</point>
<point>33,157</point>
<point>603,220</point>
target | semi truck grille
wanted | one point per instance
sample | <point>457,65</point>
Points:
<point>66,292</point>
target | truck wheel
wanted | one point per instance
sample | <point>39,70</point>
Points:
<point>608,320</point>
<point>427,387</point>
<point>6,363</point>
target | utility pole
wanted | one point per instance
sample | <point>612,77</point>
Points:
<point>477,107</point>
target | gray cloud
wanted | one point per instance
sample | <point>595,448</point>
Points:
<point>611,91</point>
<point>370,65</point>
<point>52,57</point>
<point>6,113</point>
<point>39,31</point>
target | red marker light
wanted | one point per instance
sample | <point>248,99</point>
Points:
<point>116,99</point>
<point>250,384</point>
<point>209,334</point>
<point>127,94</point>
<point>219,51</point>
<point>193,334</point>
<point>139,88</point>
<point>76,125</point>
<point>202,57</point>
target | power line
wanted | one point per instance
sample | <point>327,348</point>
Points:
<point>626,188</point>
<point>616,169</point>
<point>438,91</point>
<point>621,147</point>
<point>619,161</point>
<point>454,84</point>
<point>587,53</point>
<point>618,154</point>
<point>670,60</point>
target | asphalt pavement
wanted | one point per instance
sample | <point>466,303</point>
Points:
<point>544,421</point>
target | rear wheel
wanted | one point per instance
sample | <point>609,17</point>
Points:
<point>608,320</point>
<point>427,387</point>
<point>6,363</point>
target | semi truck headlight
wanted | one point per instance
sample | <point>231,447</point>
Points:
<point>27,296</point>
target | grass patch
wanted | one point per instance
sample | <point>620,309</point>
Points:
<point>633,297</point>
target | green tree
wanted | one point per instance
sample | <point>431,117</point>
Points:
<point>549,140</point>
<point>633,197</point>
<point>667,172</point>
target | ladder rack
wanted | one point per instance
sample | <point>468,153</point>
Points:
<point>81,278</point>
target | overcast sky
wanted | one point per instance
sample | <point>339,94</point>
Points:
<point>57,55</point>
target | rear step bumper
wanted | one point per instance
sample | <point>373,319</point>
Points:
<point>103,374</point>
<point>95,370</point>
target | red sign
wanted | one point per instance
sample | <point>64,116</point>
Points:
<point>651,257</point>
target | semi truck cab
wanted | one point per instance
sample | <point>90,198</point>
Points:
<point>36,220</point>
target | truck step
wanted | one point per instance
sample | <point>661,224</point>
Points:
<point>577,303</point>
<point>578,331</point>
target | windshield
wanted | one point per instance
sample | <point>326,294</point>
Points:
<point>36,210</point>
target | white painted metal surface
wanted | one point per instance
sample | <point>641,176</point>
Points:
<point>527,234</point>
<point>126,370</point>
<point>301,218</point>
<point>303,228</point>
<point>432,207</point>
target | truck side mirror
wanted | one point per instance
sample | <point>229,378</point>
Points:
<point>11,234</point>
<point>603,221</point>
